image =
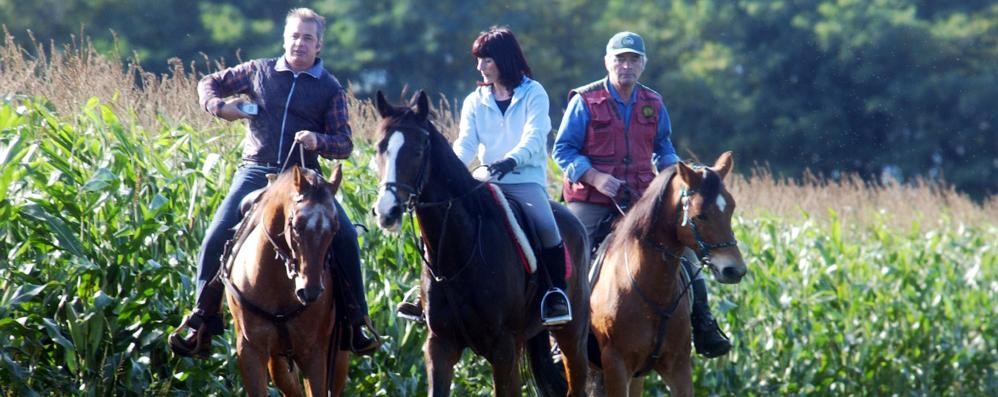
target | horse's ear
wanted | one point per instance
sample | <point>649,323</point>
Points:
<point>335,179</point>
<point>422,105</point>
<point>688,175</point>
<point>384,109</point>
<point>724,164</point>
<point>298,177</point>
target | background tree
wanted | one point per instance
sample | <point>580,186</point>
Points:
<point>889,89</point>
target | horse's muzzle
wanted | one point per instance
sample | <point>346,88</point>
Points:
<point>390,221</point>
<point>308,295</point>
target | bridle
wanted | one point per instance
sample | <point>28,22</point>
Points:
<point>290,257</point>
<point>414,191</point>
<point>413,203</point>
<point>704,248</point>
<point>292,261</point>
<point>683,219</point>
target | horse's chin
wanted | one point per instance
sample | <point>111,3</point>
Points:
<point>727,280</point>
<point>390,225</point>
<point>728,270</point>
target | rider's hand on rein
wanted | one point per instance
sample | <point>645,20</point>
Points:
<point>499,169</point>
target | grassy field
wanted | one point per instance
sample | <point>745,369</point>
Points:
<point>106,189</point>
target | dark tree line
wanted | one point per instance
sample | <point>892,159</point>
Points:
<point>885,88</point>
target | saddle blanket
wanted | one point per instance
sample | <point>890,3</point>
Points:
<point>515,231</point>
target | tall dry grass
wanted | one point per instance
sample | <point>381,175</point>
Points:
<point>68,75</point>
<point>856,202</point>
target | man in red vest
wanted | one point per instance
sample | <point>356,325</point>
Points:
<point>613,131</point>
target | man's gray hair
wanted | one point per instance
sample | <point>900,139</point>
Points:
<point>308,15</point>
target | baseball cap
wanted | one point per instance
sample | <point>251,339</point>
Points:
<point>625,42</point>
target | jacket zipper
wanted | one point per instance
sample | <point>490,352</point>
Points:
<point>284,120</point>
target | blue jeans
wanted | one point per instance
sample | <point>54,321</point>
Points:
<point>533,200</point>
<point>249,178</point>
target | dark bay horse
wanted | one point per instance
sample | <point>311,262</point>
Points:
<point>474,288</point>
<point>280,293</point>
<point>639,305</point>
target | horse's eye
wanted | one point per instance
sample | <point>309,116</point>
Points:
<point>701,217</point>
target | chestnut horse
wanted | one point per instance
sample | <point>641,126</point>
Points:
<point>639,307</point>
<point>279,290</point>
<point>475,290</point>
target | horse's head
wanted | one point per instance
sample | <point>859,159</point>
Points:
<point>704,218</point>
<point>301,219</point>
<point>403,158</point>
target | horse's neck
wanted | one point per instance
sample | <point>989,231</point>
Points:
<point>449,227</point>
<point>258,263</point>
<point>650,269</point>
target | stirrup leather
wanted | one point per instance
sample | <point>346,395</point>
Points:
<point>547,318</point>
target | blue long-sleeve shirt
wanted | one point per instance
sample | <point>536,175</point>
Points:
<point>571,137</point>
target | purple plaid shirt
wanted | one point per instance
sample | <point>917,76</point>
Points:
<point>311,100</point>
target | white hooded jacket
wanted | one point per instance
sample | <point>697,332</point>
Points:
<point>521,133</point>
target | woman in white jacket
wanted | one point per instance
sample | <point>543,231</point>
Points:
<point>505,124</point>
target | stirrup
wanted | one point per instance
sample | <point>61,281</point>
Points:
<point>553,319</point>
<point>410,311</point>
<point>371,345</point>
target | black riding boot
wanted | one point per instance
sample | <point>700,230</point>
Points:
<point>193,337</point>
<point>555,306</point>
<point>364,339</point>
<point>708,338</point>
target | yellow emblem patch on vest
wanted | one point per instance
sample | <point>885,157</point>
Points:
<point>647,111</point>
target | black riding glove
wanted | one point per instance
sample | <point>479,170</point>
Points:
<point>499,169</point>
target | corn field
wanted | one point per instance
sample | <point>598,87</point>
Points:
<point>852,289</point>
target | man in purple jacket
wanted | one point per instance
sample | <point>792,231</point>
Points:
<point>293,99</point>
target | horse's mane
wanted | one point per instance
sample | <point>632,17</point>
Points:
<point>276,192</point>
<point>640,221</point>
<point>446,165</point>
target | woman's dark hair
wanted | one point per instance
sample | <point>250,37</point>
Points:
<point>499,44</point>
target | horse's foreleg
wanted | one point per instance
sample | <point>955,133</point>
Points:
<point>572,341</point>
<point>441,356</point>
<point>252,367</point>
<point>285,380</point>
<point>616,377</point>
<point>679,376</point>
<point>638,387</point>
<point>314,367</point>
<point>505,360</point>
<point>340,370</point>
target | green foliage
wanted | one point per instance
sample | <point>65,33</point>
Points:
<point>859,312</point>
<point>99,238</point>
<point>100,222</point>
